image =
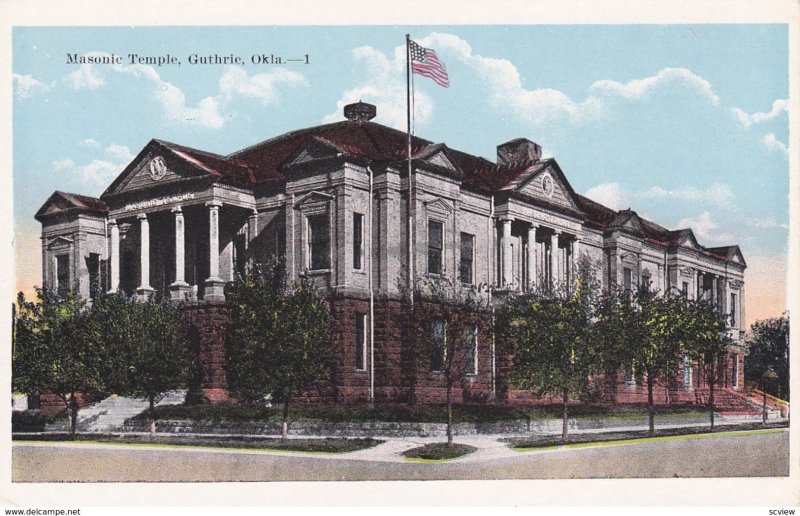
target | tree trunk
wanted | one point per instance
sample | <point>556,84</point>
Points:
<point>651,424</point>
<point>449,414</point>
<point>152,416</point>
<point>764,404</point>
<point>285,431</point>
<point>68,410</point>
<point>73,414</point>
<point>711,382</point>
<point>565,415</point>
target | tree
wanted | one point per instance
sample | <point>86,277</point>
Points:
<point>548,336</point>
<point>768,348</point>
<point>443,322</point>
<point>706,341</point>
<point>659,322</point>
<point>148,354</point>
<point>52,351</point>
<point>281,344</point>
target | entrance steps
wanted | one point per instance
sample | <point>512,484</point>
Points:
<point>111,413</point>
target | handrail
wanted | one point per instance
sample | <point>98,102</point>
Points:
<point>770,397</point>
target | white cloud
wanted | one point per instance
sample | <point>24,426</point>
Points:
<point>26,85</point>
<point>611,195</point>
<point>768,223</point>
<point>85,78</point>
<point>616,197</point>
<point>385,87</point>
<point>778,107</point>
<point>637,89</point>
<point>704,227</point>
<point>772,143</point>
<point>91,143</point>
<point>235,82</point>
<point>94,176</point>
<point>717,194</point>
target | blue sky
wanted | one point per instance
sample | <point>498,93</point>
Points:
<point>686,124</point>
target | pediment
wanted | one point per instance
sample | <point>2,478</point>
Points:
<point>313,198</point>
<point>439,205</point>
<point>155,165</point>
<point>736,256</point>
<point>688,241</point>
<point>550,186</point>
<point>314,149</point>
<point>441,160</point>
<point>55,204</point>
<point>629,258</point>
<point>59,241</point>
<point>438,156</point>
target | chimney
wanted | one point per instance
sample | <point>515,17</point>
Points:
<point>518,149</point>
<point>359,111</point>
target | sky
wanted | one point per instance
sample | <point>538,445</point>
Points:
<point>686,124</point>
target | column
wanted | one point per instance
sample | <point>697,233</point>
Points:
<point>214,285</point>
<point>575,254</point>
<point>533,273</point>
<point>554,259</point>
<point>506,257</point>
<point>114,258</point>
<point>179,289</point>
<point>145,290</point>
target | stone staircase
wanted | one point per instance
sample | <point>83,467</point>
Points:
<point>111,413</point>
<point>732,403</point>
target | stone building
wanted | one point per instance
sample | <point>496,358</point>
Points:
<point>336,202</point>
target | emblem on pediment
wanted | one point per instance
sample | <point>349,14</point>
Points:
<point>157,167</point>
<point>547,185</point>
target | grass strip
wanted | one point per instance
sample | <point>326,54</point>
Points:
<point>438,452</point>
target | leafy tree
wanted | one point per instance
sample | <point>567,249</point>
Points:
<point>768,349</point>
<point>52,351</point>
<point>706,341</point>
<point>549,338</point>
<point>660,322</point>
<point>442,322</point>
<point>281,344</point>
<point>148,354</point>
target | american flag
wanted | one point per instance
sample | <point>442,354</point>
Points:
<point>425,62</point>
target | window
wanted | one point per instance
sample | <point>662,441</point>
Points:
<point>471,350</point>
<point>630,377</point>
<point>239,256</point>
<point>361,342</point>
<point>93,266</point>
<point>646,281</point>
<point>435,246</point>
<point>62,274</point>
<point>685,288</point>
<point>318,243</point>
<point>733,310</point>
<point>626,280</point>
<point>735,371</point>
<point>438,348</point>
<point>687,373</point>
<point>358,241</point>
<point>467,257</point>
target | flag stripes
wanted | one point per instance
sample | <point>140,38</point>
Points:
<point>425,62</point>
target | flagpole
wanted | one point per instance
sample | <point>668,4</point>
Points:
<point>411,196</point>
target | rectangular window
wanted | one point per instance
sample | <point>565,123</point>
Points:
<point>467,257</point>
<point>438,348</point>
<point>626,280</point>
<point>733,310</point>
<point>435,247</point>
<point>62,274</point>
<point>471,350</point>
<point>687,373</point>
<point>630,377</point>
<point>358,241</point>
<point>735,372</point>
<point>318,242</point>
<point>93,266</point>
<point>685,288</point>
<point>361,342</point>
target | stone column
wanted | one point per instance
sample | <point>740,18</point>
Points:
<point>554,276</point>
<point>145,290</point>
<point>575,254</point>
<point>179,289</point>
<point>533,274</point>
<point>506,268</point>
<point>214,285</point>
<point>114,258</point>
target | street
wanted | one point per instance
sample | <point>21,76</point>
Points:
<point>728,455</point>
